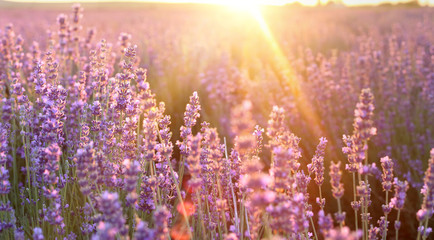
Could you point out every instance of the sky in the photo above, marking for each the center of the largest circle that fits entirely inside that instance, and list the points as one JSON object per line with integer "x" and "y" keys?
{"x": 243, "y": 2}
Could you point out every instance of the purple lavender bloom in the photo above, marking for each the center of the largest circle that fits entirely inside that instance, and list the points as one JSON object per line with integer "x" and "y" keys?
{"x": 253, "y": 181}
{"x": 242, "y": 125}
{"x": 387, "y": 165}
{"x": 373, "y": 233}
{"x": 193, "y": 161}
{"x": 143, "y": 232}
{"x": 5, "y": 185}
{"x": 253, "y": 178}
{"x": 259, "y": 139}
{"x": 146, "y": 200}
{"x": 317, "y": 165}
{"x": 427, "y": 210}
{"x": 124, "y": 40}
{"x": 19, "y": 234}
{"x": 77, "y": 15}
{"x": 325, "y": 223}
{"x": 335, "y": 180}
{"x": 190, "y": 118}
{"x": 132, "y": 170}
{"x": 320, "y": 149}
{"x": 37, "y": 234}
{"x": 398, "y": 200}
{"x": 105, "y": 231}
{"x": 302, "y": 182}
{"x": 4, "y": 135}
{"x": 52, "y": 154}
{"x": 161, "y": 219}
{"x": 84, "y": 159}
{"x": 424, "y": 231}
{"x": 363, "y": 124}
{"x": 382, "y": 225}
{"x": 96, "y": 109}
{"x": 111, "y": 209}
{"x": 300, "y": 222}
{"x": 356, "y": 145}
{"x": 343, "y": 234}
{"x": 364, "y": 191}
{"x": 354, "y": 155}
{"x": 276, "y": 125}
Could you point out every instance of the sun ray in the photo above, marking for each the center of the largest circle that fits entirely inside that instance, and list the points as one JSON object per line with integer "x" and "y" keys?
{"x": 304, "y": 105}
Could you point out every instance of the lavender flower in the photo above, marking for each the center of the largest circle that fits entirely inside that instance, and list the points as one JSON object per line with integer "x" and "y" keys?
{"x": 52, "y": 154}
{"x": 317, "y": 165}
{"x": 382, "y": 225}
{"x": 387, "y": 177}
{"x": 105, "y": 231}
{"x": 254, "y": 182}
{"x": 37, "y": 234}
{"x": 111, "y": 210}
{"x": 132, "y": 169}
{"x": 343, "y": 234}
{"x": 363, "y": 124}
{"x": 398, "y": 200}
{"x": 242, "y": 126}
{"x": 190, "y": 117}
{"x": 335, "y": 180}
{"x": 5, "y": 185}
{"x": 373, "y": 233}
{"x": 143, "y": 232}
{"x": 276, "y": 125}
{"x": 259, "y": 139}
{"x": 427, "y": 210}
{"x": 193, "y": 162}
{"x": 325, "y": 223}
{"x": 387, "y": 165}
{"x": 337, "y": 190}
{"x": 161, "y": 218}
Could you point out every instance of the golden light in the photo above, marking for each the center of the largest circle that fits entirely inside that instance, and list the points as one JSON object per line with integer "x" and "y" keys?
{"x": 305, "y": 107}
{"x": 241, "y": 5}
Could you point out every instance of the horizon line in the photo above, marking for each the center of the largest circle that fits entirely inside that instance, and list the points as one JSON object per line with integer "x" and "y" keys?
{"x": 222, "y": 3}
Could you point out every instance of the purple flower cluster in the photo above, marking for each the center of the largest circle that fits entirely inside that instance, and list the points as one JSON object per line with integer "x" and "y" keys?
{"x": 190, "y": 118}
{"x": 427, "y": 210}
{"x": 87, "y": 149}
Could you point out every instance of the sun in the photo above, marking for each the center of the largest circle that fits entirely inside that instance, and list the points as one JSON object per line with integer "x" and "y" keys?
{"x": 242, "y": 5}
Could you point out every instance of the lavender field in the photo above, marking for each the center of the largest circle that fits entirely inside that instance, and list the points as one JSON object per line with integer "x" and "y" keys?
{"x": 160, "y": 121}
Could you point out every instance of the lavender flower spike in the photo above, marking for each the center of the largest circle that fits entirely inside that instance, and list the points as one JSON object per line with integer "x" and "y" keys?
{"x": 427, "y": 210}
{"x": 37, "y": 234}
{"x": 190, "y": 118}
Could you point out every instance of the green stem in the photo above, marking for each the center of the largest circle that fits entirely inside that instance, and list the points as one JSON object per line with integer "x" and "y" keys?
{"x": 425, "y": 227}
{"x": 418, "y": 232}
{"x": 222, "y": 210}
{"x": 201, "y": 214}
{"x": 320, "y": 196}
{"x": 355, "y": 199}
{"x": 340, "y": 211}
{"x": 247, "y": 222}
{"x": 153, "y": 188}
{"x": 178, "y": 191}
{"x": 366, "y": 182}
{"x": 385, "y": 216}
{"x": 396, "y": 229}
{"x": 232, "y": 192}
{"x": 242, "y": 207}
{"x": 313, "y": 228}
